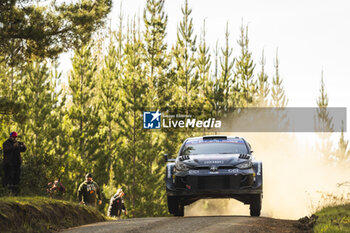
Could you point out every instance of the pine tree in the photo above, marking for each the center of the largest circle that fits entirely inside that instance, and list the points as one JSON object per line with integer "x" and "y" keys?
{"x": 323, "y": 122}
{"x": 37, "y": 30}
{"x": 342, "y": 153}
{"x": 109, "y": 100}
{"x": 10, "y": 81}
{"x": 214, "y": 91}
{"x": 245, "y": 70}
{"x": 158, "y": 95}
{"x": 134, "y": 100}
{"x": 226, "y": 78}
{"x": 83, "y": 114}
{"x": 184, "y": 54}
{"x": 156, "y": 57}
{"x": 263, "y": 85}
{"x": 41, "y": 131}
{"x": 203, "y": 64}
{"x": 277, "y": 90}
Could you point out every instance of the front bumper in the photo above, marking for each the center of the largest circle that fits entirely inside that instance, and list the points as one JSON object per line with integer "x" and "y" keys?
{"x": 221, "y": 183}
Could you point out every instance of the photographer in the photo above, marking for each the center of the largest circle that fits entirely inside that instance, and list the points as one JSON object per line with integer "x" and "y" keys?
{"x": 12, "y": 162}
{"x": 116, "y": 205}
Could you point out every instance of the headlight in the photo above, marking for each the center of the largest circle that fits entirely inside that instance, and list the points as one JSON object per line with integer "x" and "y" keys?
{"x": 244, "y": 165}
{"x": 182, "y": 167}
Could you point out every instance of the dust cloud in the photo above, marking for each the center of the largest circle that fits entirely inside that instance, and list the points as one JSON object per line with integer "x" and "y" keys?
{"x": 295, "y": 178}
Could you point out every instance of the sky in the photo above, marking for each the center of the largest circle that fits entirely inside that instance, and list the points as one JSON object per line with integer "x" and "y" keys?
{"x": 310, "y": 36}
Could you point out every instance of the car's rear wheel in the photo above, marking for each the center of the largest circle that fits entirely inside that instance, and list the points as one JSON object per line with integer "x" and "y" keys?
{"x": 175, "y": 206}
{"x": 255, "y": 205}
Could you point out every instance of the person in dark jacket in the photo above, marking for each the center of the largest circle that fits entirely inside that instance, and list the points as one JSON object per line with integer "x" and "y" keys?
{"x": 12, "y": 162}
{"x": 88, "y": 190}
{"x": 56, "y": 189}
{"x": 116, "y": 205}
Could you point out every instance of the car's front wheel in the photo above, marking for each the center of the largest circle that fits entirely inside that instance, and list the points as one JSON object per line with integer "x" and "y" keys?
{"x": 255, "y": 205}
{"x": 175, "y": 206}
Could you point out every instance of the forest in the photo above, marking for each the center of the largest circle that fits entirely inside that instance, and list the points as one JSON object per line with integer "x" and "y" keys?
{"x": 92, "y": 122}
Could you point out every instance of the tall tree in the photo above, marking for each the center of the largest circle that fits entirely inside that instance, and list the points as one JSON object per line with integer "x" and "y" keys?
{"x": 214, "y": 90}
{"x": 227, "y": 80}
{"x": 323, "y": 122}
{"x": 42, "y": 129}
{"x": 134, "y": 100}
{"x": 245, "y": 70}
{"x": 109, "y": 99}
{"x": 203, "y": 63}
{"x": 277, "y": 90}
{"x": 158, "y": 95}
{"x": 44, "y": 30}
{"x": 156, "y": 58}
{"x": 263, "y": 84}
{"x": 342, "y": 152}
{"x": 184, "y": 53}
{"x": 83, "y": 113}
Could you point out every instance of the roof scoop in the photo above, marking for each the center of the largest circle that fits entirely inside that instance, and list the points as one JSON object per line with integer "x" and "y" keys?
{"x": 214, "y": 137}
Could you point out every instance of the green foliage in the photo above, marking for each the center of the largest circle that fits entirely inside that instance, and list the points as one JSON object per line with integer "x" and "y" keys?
{"x": 160, "y": 84}
{"x": 323, "y": 123}
{"x": 109, "y": 99}
{"x": 31, "y": 30}
{"x": 156, "y": 59}
{"x": 187, "y": 80}
{"x": 342, "y": 152}
{"x": 245, "y": 71}
{"x": 227, "y": 80}
{"x": 134, "y": 92}
{"x": 203, "y": 67}
{"x": 38, "y": 214}
{"x": 263, "y": 85}
{"x": 277, "y": 91}
{"x": 42, "y": 129}
{"x": 84, "y": 150}
{"x": 333, "y": 219}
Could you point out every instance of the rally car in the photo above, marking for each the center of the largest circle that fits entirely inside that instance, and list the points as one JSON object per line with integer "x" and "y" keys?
{"x": 213, "y": 167}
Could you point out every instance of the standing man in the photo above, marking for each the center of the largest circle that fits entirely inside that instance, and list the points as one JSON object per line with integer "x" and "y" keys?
{"x": 88, "y": 190}
{"x": 12, "y": 162}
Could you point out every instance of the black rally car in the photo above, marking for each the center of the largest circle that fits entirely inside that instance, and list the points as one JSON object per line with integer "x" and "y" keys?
{"x": 213, "y": 167}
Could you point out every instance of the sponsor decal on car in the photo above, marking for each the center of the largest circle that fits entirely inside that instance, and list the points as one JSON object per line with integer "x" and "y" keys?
{"x": 193, "y": 172}
{"x": 214, "y": 162}
{"x": 215, "y": 141}
{"x": 235, "y": 170}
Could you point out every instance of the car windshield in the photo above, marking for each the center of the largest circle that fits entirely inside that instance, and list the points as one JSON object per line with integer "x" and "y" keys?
{"x": 214, "y": 147}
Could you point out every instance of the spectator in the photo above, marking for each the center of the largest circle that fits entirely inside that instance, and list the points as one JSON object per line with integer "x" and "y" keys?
{"x": 56, "y": 189}
{"x": 116, "y": 205}
{"x": 88, "y": 190}
{"x": 12, "y": 162}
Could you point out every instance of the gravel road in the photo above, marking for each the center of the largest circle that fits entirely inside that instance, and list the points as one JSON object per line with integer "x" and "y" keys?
{"x": 222, "y": 224}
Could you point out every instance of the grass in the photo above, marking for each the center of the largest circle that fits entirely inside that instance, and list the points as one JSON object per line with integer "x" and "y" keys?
{"x": 333, "y": 219}
{"x": 40, "y": 214}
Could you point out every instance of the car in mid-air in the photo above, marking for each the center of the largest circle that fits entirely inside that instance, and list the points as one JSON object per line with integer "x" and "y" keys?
{"x": 213, "y": 167}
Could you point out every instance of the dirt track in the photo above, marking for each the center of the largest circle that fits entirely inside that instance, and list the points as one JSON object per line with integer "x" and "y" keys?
{"x": 222, "y": 224}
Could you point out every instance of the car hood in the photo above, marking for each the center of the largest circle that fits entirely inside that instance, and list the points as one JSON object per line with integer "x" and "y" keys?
{"x": 213, "y": 160}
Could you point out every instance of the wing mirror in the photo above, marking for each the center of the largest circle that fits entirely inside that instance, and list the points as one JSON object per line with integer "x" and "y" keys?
{"x": 166, "y": 159}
